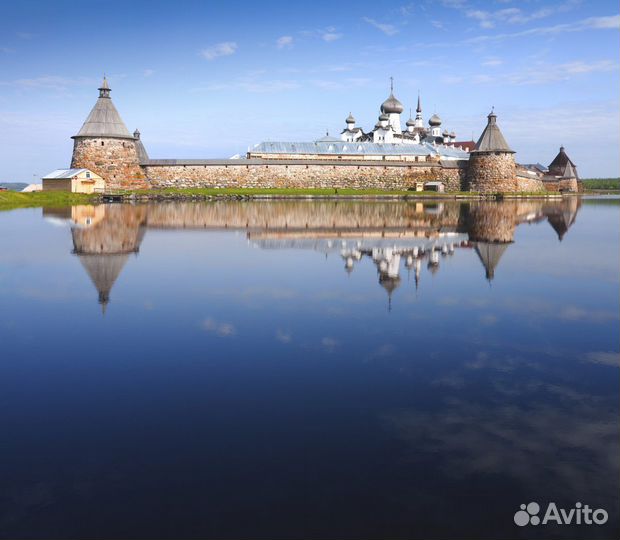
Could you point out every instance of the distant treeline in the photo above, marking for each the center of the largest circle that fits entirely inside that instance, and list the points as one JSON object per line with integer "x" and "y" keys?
{"x": 13, "y": 186}
{"x": 602, "y": 183}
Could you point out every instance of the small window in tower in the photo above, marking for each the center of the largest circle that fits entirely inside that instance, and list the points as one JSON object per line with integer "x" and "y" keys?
{"x": 102, "y": 143}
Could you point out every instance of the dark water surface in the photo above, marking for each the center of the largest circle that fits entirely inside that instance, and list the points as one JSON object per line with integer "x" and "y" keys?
{"x": 308, "y": 369}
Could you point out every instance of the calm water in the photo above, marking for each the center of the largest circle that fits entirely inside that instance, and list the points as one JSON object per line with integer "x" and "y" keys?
{"x": 308, "y": 369}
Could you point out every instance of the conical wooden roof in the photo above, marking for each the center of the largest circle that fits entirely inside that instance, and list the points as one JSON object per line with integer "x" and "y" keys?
{"x": 492, "y": 139}
{"x": 569, "y": 171}
{"x": 104, "y": 120}
{"x": 558, "y": 165}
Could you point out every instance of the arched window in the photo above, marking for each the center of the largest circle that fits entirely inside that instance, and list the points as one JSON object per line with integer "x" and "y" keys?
{"x": 102, "y": 143}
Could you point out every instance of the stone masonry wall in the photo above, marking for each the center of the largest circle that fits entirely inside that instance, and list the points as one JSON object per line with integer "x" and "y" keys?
{"x": 530, "y": 185}
{"x": 302, "y": 176}
{"x": 569, "y": 184}
{"x": 492, "y": 173}
{"x": 115, "y": 160}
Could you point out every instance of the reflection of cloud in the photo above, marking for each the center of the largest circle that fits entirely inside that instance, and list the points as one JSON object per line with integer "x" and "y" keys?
{"x": 283, "y": 337}
{"x": 382, "y": 352}
{"x": 451, "y": 380}
{"x": 520, "y": 441}
{"x": 488, "y": 319}
{"x": 256, "y": 297}
{"x": 219, "y": 328}
{"x": 605, "y": 358}
{"x": 484, "y": 361}
{"x": 537, "y": 307}
{"x": 574, "y": 313}
{"x": 329, "y": 343}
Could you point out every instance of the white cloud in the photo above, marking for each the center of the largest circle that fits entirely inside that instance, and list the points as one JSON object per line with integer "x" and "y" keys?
{"x": 387, "y": 29}
{"x": 226, "y": 48}
{"x": 148, "y": 72}
{"x": 591, "y": 23}
{"x": 330, "y": 36}
{"x": 344, "y": 84}
{"x": 546, "y": 73}
{"x": 284, "y": 41}
{"x": 492, "y": 62}
{"x": 50, "y": 82}
{"x": 613, "y": 21}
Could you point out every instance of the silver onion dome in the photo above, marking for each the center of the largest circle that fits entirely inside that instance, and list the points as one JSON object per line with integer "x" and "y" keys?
{"x": 392, "y": 105}
{"x": 434, "y": 120}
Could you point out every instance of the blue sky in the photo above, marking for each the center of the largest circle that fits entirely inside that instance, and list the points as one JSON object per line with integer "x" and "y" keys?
{"x": 210, "y": 79}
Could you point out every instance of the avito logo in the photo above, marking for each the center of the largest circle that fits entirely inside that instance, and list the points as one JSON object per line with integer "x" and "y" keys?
{"x": 582, "y": 514}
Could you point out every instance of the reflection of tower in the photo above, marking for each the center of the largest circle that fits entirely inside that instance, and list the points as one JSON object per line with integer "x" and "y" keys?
{"x": 491, "y": 226}
{"x": 562, "y": 217}
{"x": 490, "y": 254}
{"x": 103, "y": 249}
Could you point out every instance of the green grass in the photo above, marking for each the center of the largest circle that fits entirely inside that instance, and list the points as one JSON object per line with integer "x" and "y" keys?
{"x": 602, "y": 183}
{"x": 10, "y": 200}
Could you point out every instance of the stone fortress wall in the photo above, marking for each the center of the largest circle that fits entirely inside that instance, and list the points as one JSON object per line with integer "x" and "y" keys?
{"x": 294, "y": 174}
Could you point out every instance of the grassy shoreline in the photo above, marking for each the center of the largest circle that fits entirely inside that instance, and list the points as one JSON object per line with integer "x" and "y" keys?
{"x": 10, "y": 200}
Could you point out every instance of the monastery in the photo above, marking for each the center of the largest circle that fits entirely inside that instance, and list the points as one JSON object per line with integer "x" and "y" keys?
{"x": 384, "y": 157}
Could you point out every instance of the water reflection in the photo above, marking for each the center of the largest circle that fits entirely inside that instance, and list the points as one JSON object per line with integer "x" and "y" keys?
{"x": 392, "y": 235}
{"x": 247, "y": 380}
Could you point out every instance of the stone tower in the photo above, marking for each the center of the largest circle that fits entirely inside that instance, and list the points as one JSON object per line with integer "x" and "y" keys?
{"x": 492, "y": 166}
{"x": 105, "y": 146}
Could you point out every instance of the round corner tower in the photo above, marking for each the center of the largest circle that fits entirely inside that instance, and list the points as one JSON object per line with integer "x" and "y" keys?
{"x": 105, "y": 146}
{"x": 492, "y": 167}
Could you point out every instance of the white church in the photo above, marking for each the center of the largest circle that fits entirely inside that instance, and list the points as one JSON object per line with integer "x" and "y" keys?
{"x": 388, "y": 128}
{"x": 416, "y": 142}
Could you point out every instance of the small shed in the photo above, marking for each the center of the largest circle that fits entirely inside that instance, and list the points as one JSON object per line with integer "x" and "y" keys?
{"x": 73, "y": 180}
{"x": 435, "y": 186}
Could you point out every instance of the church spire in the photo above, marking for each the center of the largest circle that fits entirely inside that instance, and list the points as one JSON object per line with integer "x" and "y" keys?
{"x": 419, "y": 108}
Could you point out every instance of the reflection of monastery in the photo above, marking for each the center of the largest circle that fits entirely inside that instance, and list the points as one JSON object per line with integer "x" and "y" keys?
{"x": 394, "y": 154}
{"x": 416, "y": 237}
